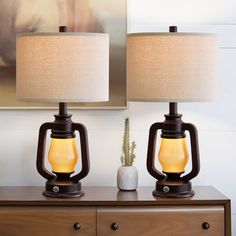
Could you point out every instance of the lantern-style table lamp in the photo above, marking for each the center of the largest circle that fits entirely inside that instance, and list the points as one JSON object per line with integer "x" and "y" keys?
{"x": 172, "y": 67}
{"x": 62, "y": 67}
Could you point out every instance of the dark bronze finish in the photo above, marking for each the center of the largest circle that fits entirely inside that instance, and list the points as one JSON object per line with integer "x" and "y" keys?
{"x": 62, "y": 109}
{"x": 77, "y": 226}
{"x": 173, "y": 184}
{"x": 60, "y": 184}
{"x": 62, "y": 28}
{"x": 173, "y": 108}
{"x": 114, "y": 226}
{"x": 172, "y": 126}
{"x": 173, "y": 29}
{"x": 169, "y": 184}
{"x": 206, "y": 225}
{"x": 173, "y": 189}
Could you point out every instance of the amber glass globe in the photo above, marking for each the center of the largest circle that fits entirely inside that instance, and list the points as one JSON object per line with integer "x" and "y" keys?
{"x": 173, "y": 155}
{"x": 63, "y": 155}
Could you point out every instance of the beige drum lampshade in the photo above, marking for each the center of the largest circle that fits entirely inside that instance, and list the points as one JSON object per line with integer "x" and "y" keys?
{"x": 62, "y": 67}
{"x": 171, "y": 67}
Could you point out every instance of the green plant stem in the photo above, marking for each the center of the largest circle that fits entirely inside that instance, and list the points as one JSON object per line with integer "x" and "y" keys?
{"x": 128, "y": 156}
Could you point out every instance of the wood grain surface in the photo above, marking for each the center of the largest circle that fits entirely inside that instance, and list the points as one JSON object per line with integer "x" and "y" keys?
{"x": 47, "y": 221}
{"x": 161, "y": 221}
{"x": 25, "y": 211}
{"x": 105, "y": 196}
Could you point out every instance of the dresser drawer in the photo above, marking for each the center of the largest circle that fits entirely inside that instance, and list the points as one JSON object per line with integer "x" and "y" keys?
{"x": 47, "y": 221}
{"x": 161, "y": 221}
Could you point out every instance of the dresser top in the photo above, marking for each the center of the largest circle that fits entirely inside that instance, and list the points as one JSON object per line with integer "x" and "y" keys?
{"x": 107, "y": 196}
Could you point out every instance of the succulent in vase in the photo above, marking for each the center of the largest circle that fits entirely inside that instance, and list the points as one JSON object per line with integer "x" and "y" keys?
{"x": 127, "y": 175}
{"x": 128, "y": 156}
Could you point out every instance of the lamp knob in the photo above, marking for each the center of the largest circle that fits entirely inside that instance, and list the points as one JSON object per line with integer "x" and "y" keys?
{"x": 205, "y": 225}
{"x": 166, "y": 189}
{"x": 77, "y": 226}
{"x": 114, "y": 226}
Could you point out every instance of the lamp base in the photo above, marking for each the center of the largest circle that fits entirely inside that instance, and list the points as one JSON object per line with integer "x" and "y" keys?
{"x": 173, "y": 189}
{"x": 63, "y": 189}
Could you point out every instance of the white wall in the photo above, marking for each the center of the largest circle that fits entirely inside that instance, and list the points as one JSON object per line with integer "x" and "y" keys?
{"x": 215, "y": 121}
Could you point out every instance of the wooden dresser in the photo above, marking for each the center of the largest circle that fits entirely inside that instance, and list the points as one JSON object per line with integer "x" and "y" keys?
{"x": 105, "y": 211}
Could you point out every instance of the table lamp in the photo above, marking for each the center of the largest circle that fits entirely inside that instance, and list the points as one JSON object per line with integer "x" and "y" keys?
{"x": 172, "y": 67}
{"x": 62, "y": 67}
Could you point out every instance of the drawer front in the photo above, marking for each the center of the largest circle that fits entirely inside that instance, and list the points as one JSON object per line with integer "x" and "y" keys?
{"x": 160, "y": 221}
{"x": 47, "y": 221}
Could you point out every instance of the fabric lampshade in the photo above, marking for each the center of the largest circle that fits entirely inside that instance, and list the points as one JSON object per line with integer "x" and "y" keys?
{"x": 62, "y": 67}
{"x": 171, "y": 67}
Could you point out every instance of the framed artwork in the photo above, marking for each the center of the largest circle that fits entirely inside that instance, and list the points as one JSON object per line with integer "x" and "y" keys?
{"x": 107, "y": 16}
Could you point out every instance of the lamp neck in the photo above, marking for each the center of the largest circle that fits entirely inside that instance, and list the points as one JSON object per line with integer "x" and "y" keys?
{"x": 62, "y": 28}
{"x": 173, "y": 108}
{"x": 172, "y": 126}
{"x": 62, "y": 125}
{"x": 62, "y": 105}
{"x": 62, "y": 108}
{"x": 173, "y": 29}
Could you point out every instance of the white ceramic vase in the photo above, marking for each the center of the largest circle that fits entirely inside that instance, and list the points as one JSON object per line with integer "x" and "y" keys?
{"x": 127, "y": 178}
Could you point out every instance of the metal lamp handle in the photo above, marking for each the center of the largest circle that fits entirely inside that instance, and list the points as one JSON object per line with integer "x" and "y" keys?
{"x": 84, "y": 151}
{"x": 152, "y": 150}
{"x": 41, "y": 151}
{"x": 194, "y": 151}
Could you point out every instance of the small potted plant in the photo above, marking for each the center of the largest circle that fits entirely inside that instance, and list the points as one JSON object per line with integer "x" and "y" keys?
{"x": 127, "y": 174}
